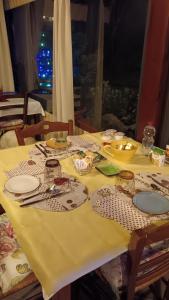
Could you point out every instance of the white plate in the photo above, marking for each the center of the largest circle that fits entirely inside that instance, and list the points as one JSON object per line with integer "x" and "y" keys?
{"x": 22, "y": 184}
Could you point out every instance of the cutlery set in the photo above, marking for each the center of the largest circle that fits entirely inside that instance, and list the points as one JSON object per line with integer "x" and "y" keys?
{"x": 43, "y": 150}
{"x": 51, "y": 194}
{"x": 47, "y": 152}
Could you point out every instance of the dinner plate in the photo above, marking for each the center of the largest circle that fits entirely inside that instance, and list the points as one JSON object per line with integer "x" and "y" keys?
{"x": 22, "y": 184}
{"x": 151, "y": 202}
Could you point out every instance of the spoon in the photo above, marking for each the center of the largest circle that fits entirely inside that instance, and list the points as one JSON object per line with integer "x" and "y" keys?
{"x": 51, "y": 189}
{"x": 52, "y": 194}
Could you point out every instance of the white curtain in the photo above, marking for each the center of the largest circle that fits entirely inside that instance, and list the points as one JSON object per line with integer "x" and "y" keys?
{"x": 63, "y": 103}
{"x": 6, "y": 74}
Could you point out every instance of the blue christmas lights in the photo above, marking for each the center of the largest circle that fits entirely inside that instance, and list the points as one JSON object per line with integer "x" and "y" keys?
{"x": 44, "y": 64}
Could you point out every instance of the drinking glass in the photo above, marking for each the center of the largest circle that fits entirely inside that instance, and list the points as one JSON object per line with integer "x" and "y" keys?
{"x": 125, "y": 182}
{"x": 52, "y": 171}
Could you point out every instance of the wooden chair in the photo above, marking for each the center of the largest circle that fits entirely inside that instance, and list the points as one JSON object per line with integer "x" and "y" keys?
{"x": 43, "y": 127}
{"x": 85, "y": 125}
{"x": 21, "y": 289}
{"x": 82, "y": 122}
{"x": 147, "y": 259}
{"x": 11, "y": 120}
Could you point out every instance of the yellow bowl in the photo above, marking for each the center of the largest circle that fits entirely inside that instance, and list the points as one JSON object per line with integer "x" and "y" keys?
{"x": 122, "y": 150}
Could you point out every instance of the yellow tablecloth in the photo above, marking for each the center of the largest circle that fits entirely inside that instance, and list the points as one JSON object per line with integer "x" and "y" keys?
{"x": 62, "y": 246}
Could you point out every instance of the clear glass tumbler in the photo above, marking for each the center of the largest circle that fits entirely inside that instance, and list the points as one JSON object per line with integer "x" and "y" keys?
{"x": 125, "y": 182}
{"x": 52, "y": 171}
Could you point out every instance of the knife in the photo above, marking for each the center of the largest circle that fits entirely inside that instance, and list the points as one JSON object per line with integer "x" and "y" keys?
{"x": 159, "y": 183}
{"x": 26, "y": 203}
{"x": 42, "y": 151}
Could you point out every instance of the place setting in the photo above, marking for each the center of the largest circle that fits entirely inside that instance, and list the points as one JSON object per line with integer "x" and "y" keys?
{"x": 61, "y": 148}
{"x": 52, "y": 190}
{"x": 50, "y": 148}
{"x": 135, "y": 201}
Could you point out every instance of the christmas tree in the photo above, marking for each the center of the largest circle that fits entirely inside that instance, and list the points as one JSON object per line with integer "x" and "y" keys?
{"x": 44, "y": 64}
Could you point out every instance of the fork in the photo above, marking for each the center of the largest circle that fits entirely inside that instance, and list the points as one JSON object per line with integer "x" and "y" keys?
{"x": 44, "y": 148}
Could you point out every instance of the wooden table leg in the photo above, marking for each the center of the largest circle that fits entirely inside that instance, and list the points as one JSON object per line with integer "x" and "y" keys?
{"x": 63, "y": 294}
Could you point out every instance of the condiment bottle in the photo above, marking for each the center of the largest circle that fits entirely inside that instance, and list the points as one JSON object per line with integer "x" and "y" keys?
{"x": 148, "y": 139}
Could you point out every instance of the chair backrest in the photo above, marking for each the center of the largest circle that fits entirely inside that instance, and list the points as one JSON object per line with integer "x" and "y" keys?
{"x": 148, "y": 258}
{"x": 85, "y": 125}
{"x": 13, "y": 106}
{"x": 43, "y": 127}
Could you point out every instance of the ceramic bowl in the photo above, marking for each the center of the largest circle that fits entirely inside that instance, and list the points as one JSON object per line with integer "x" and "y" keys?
{"x": 122, "y": 150}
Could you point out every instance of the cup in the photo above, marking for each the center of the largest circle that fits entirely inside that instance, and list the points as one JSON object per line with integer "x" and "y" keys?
{"x": 52, "y": 170}
{"x": 63, "y": 184}
{"x": 118, "y": 136}
{"x": 125, "y": 182}
{"x": 83, "y": 165}
{"x": 157, "y": 156}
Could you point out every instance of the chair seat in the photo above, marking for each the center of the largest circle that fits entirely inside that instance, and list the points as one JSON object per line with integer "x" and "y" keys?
{"x": 14, "y": 267}
{"x": 116, "y": 271}
{"x": 10, "y": 123}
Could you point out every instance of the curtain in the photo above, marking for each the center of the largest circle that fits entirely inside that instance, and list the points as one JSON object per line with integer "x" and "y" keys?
{"x": 26, "y": 29}
{"x": 63, "y": 104}
{"x": 91, "y": 66}
{"x": 6, "y": 74}
{"x": 99, "y": 75}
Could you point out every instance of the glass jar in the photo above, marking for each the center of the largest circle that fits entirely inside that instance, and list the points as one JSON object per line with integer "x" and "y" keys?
{"x": 52, "y": 170}
{"x": 125, "y": 182}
